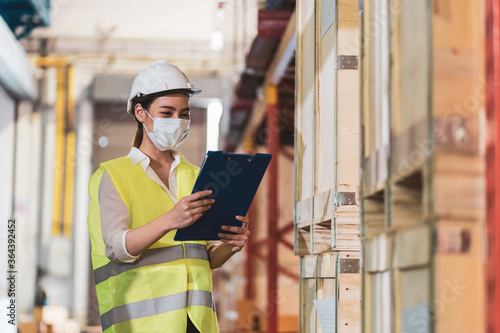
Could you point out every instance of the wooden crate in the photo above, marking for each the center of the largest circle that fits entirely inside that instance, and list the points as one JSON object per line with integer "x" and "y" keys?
{"x": 328, "y": 159}
{"x": 429, "y": 198}
{"x": 327, "y": 128}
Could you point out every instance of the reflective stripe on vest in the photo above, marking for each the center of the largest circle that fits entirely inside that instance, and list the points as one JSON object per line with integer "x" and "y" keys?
{"x": 152, "y": 257}
{"x": 157, "y": 306}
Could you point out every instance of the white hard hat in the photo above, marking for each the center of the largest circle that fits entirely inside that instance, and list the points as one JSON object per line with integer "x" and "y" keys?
{"x": 160, "y": 77}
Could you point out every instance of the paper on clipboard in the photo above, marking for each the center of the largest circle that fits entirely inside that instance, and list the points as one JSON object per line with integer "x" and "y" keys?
{"x": 234, "y": 180}
{"x": 326, "y": 308}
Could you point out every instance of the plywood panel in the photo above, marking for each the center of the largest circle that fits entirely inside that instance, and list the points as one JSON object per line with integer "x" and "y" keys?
{"x": 304, "y": 210}
{"x": 326, "y": 289}
{"x": 349, "y": 303}
{"x": 327, "y": 265}
{"x": 308, "y": 313}
{"x": 458, "y": 73}
{"x": 308, "y": 266}
{"x": 305, "y": 123}
{"x": 395, "y": 67}
{"x": 348, "y": 99}
{"x": 412, "y": 303}
{"x": 366, "y": 305}
{"x": 348, "y": 254}
{"x": 459, "y": 186}
{"x": 377, "y": 41}
{"x": 380, "y": 303}
{"x": 459, "y": 195}
{"x": 324, "y": 205}
{"x": 375, "y": 94}
{"x": 347, "y": 233}
{"x": 325, "y": 118}
{"x": 365, "y": 62}
{"x": 378, "y": 253}
{"x": 323, "y": 236}
{"x": 458, "y": 48}
{"x": 459, "y": 277}
{"x": 414, "y": 81}
{"x": 412, "y": 247}
{"x": 410, "y": 85}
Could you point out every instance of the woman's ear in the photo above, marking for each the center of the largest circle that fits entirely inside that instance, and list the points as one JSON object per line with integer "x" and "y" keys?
{"x": 139, "y": 112}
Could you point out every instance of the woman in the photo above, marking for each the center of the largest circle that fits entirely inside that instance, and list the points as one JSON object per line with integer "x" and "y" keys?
{"x": 146, "y": 281}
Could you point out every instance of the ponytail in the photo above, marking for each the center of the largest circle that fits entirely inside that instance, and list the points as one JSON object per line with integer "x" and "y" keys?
{"x": 146, "y": 102}
{"x": 138, "y": 136}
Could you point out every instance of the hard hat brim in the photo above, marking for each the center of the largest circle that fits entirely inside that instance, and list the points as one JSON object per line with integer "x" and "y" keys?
{"x": 187, "y": 91}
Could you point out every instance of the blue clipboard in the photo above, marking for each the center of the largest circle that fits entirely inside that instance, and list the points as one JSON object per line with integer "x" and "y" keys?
{"x": 234, "y": 180}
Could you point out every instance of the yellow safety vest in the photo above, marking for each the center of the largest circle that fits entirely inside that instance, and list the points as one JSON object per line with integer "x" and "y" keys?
{"x": 169, "y": 280}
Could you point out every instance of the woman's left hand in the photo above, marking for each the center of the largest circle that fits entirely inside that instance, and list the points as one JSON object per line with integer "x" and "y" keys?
{"x": 236, "y": 241}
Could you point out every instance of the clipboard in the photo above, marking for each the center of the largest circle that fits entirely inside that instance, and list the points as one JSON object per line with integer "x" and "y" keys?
{"x": 234, "y": 180}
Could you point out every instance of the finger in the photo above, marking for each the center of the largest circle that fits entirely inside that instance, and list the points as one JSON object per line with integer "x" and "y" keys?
{"x": 198, "y": 195}
{"x": 242, "y": 218}
{"x": 200, "y": 203}
{"x": 233, "y": 237}
{"x": 238, "y": 243}
{"x": 238, "y": 230}
{"x": 200, "y": 210}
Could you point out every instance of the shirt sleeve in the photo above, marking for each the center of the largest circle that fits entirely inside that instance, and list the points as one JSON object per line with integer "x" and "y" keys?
{"x": 115, "y": 221}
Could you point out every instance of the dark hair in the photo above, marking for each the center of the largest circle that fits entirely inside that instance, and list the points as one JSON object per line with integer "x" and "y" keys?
{"x": 145, "y": 102}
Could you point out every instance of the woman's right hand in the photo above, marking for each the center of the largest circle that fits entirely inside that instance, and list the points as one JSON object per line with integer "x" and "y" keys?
{"x": 189, "y": 209}
{"x": 185, "y": 212}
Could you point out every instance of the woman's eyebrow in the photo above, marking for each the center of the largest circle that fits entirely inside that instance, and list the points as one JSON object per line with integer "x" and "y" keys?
{"x": 172, "y": 108}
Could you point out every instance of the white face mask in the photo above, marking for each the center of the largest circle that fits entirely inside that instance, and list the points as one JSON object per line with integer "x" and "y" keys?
{"x": 168, "y": 133}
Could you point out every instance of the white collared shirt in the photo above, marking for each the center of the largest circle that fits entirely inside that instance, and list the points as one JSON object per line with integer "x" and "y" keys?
{"x": 115, "y": 216}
